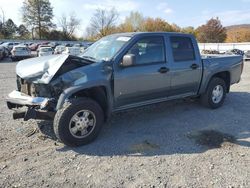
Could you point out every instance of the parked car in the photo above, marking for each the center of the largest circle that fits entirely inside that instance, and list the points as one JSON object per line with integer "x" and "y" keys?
{"x": 7, "y": 52}
{"x": 34, "y": 46}
{"x": 9, "y": 45}
{"x": 235, "y": 52}
{"x": 45, "y": 51}
{"x": 1, "y": 52}
{"x": 72, "y": 51}
{"x": 210, "y": 52}
{"x": 247, "y": 55}
{"x": 118, "y": 72}
{"x": 59, "y": 49}
{"x": 20, "y": 52}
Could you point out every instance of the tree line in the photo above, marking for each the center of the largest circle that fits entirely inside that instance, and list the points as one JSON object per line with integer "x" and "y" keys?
{"x": 37, "y": 17}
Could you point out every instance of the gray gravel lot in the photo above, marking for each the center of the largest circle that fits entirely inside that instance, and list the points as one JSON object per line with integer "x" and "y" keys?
{"x": 153, "y": 146}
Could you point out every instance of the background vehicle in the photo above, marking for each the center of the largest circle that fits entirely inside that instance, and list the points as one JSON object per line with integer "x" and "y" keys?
{"x": 119, "y": 72}
{"x": 235, "y": 52}
{"x": 59, "y": 49}
{"x": 45, "y": 51}
{"x": 9, "y": 45}
{"x": 34, "y": 46}
{"x": 247, "y": 55}
{"x": 1, "y": 52}
{"x": 72, "y": 51}
{"x": 20, "y": 52}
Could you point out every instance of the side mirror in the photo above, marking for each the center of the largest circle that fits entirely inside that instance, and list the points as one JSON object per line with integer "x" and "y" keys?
{"x": 128, "y": 60}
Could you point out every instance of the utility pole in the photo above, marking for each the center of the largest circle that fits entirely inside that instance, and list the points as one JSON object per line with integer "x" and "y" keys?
{"x": 3, "y": 15}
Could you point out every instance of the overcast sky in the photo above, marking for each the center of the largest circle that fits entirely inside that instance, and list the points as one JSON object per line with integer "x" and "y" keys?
{"x": 183, "y": 13}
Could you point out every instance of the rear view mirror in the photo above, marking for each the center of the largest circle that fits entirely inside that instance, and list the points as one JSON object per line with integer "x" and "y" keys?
{"x": 128, "y": 60}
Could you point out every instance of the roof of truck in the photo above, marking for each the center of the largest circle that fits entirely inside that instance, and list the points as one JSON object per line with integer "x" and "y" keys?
{"x": 153, "y": 33}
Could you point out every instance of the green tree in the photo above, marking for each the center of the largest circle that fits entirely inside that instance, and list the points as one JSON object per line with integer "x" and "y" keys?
{"x": 9, "y": 29}
{"x": 38, "y": 15}
{"x": 23, "y": 32}
{"x": 212, "y": 31}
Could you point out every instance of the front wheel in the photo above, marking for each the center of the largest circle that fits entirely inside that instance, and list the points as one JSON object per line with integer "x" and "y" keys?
{"x": 215, "y": 93}
{"x": 78, "y": 122}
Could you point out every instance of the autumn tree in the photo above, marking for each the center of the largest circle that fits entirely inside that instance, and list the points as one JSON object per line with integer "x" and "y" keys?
{"x": 132, "y": 23}
{"x": 38, "y": 15}
{"x": 69, "y": 24}
{"x": 175, "y": 28}
{"x": 157, "y": 24}
{"x": 102, "y": 22}
{"x": 212, "y": 31}
{"x": 188, "y": 30}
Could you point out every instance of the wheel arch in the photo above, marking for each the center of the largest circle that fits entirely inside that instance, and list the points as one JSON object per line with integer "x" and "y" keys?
{"x": 224, "y": 75}
{"x": 100, "y": 94}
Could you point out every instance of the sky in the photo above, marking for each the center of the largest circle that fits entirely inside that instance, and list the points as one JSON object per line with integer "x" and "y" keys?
{"x": 181, "y": 12}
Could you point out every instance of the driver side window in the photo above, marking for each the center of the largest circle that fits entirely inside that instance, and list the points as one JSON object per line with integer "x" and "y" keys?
{"x": 149, "y": 50}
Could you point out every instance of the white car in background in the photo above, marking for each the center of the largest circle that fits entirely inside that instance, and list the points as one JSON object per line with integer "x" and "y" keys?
{"x": 45, "y": 51}
{"x": 59, "y": 49}
{"x": 72, "y": 51}
{"x": 247, "y": 55}
{"x": 20, "y": 52}
{"x": 10, "y": 45}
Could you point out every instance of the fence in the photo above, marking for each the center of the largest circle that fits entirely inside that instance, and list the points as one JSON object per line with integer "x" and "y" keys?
{"x": 222, "y": 47}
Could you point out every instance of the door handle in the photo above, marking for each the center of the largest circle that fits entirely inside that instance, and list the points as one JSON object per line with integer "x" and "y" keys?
{"x": 163, "y": 70}
{"x": 194, "y": 66}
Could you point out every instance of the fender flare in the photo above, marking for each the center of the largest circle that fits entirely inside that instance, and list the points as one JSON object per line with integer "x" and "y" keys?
{"x": 70, "y": 91}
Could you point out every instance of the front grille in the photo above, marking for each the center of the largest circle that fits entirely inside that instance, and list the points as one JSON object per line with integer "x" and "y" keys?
{"x": 25, "y": 87}
{"x": 33, "y": 89}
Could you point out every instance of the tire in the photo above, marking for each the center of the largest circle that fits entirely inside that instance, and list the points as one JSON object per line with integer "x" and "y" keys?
{"x": 213, "y": 97}
{"x": 74, "y": 114}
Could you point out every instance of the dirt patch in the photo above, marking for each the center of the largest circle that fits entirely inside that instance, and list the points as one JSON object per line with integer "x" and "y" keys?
{"x": 212, "y": 138}
{"x": 143, "y": 147}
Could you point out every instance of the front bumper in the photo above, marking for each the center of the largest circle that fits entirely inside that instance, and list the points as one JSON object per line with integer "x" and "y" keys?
{"x": 32, "y": 107}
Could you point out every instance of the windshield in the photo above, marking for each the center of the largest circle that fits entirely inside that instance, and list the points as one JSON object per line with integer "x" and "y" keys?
{"x": 46, "y": 49}
{"x": 106, "y": 48}
{"x": 21, "y": 49}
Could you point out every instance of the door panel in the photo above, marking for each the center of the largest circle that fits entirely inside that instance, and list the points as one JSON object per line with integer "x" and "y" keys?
{"x": 138, "y": 84}
{"x": 186, "y": 69}
{"x": 148, "y": 79}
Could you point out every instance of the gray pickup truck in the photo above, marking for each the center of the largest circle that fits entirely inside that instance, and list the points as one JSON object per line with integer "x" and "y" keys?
{"x": 118, "y": 72}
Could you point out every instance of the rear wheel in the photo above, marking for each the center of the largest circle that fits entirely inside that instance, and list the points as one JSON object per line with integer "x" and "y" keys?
{"x": 215, "y": 94}
{"x": 78, "y": 122}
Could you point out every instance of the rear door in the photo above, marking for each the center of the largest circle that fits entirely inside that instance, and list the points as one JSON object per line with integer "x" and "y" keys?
{"x": 148, "y": 79}
{"x": 186, "y": 69}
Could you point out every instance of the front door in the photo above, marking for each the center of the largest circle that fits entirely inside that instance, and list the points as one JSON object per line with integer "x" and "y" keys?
{"x": 148, "y": 79}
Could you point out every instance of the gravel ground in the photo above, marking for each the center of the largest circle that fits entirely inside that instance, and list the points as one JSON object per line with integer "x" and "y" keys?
{"x": 172, "y": 144}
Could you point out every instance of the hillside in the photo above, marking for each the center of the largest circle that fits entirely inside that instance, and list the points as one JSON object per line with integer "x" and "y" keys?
{"x": 242, "y": 26}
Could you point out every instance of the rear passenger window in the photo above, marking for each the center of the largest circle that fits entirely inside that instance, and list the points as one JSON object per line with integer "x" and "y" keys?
{"x": 183, "y": 49}
{"x": 149, "y": 50}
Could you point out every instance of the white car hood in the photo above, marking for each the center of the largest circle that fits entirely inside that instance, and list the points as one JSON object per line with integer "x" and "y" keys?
{"x": 42, "y": 69}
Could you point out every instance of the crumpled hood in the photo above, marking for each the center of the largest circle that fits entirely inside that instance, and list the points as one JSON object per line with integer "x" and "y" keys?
{"x": 40, "y": 69}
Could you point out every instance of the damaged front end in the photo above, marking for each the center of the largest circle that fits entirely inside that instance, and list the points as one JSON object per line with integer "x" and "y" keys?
{"x": 28, "y": 107}
{"x": 36, "y": 95}
{"x": 31, "y": 101}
